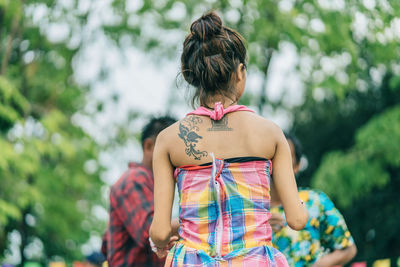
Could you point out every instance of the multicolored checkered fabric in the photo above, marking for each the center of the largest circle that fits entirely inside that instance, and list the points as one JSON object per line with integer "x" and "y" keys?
{"x": 224, "y": 212}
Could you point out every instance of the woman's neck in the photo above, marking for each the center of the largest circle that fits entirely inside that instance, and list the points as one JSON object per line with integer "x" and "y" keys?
{"x": 226, "y": 102}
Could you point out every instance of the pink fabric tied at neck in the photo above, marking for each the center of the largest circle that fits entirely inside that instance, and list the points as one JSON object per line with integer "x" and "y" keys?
{"x": 218, "y": 112}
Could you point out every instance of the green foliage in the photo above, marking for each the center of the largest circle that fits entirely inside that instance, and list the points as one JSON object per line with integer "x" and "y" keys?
{"x": 378, "y": 140}
{"x": 348, "y": 175}
{"x": 48, "y": 164}
{"x": 331, "y": 124}
{"x": 351, "y": 147}
{"x": 339, "y": 44}
{"x": 13, "y": 105}
{"x": 8, "y": 211}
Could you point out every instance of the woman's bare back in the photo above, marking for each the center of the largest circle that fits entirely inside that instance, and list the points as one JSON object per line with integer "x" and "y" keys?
{"x": 237, "y": 134}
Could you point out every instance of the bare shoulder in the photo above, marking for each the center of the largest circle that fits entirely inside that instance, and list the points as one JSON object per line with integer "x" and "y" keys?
{"x": 263, "y": 125}
{"x": 167, "y": 135}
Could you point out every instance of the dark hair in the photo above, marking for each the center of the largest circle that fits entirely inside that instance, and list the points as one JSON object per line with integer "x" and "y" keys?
{"x": 298, "y": 149}
{"x": 210, "y": 57}
{"x": 155, "y": 126}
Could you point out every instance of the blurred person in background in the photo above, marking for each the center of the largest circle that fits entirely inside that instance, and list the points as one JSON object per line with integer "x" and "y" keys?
{"x": 325, "y": 241}
{"x": 126, "y": 241}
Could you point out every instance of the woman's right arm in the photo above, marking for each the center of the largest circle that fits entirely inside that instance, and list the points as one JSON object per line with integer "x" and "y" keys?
{"x": 164, "y": 188}
{"x": 285, "y": 184}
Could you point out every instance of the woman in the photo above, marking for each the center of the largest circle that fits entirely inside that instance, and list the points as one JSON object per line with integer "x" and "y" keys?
{"x": 221, "y": 156}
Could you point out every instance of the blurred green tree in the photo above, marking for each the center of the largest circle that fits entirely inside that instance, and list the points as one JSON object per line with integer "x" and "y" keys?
{"x": 341, "y": 46}
{"x": 353, "y": 158}
{"x": 50, "y": 176}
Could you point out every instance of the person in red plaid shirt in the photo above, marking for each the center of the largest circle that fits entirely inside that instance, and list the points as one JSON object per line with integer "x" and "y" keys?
{"x": 126, "y": 241}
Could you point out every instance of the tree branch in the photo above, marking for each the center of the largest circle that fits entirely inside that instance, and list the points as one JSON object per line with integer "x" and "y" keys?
{"x": 7, "y": 53}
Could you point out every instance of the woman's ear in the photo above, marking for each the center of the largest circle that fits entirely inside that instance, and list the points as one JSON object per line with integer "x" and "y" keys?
{"x": 240, "y": 72}
{"x": 240, "y": 79}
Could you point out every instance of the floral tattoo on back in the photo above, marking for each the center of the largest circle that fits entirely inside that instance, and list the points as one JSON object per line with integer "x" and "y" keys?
{"x": 187, "y": 132}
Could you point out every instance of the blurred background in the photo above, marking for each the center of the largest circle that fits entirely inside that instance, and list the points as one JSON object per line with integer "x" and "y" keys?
{"x": 78, "y": 79}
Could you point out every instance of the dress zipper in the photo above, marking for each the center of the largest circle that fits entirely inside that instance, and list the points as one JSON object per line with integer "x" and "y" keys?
{"x": 219, "y": 226}
{"x": 218, "y": 233}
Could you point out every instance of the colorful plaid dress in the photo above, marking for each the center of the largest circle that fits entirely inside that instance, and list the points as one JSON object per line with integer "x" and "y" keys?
{"x": 224, "y": 212}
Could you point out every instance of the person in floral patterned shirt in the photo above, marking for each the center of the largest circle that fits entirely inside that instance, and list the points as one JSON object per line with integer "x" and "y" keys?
{"x": 325, "y": 241}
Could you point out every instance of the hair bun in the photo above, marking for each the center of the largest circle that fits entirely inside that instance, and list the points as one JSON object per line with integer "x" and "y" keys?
{"x": 211, "y": 54}
{"x": 206, "y": 27}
